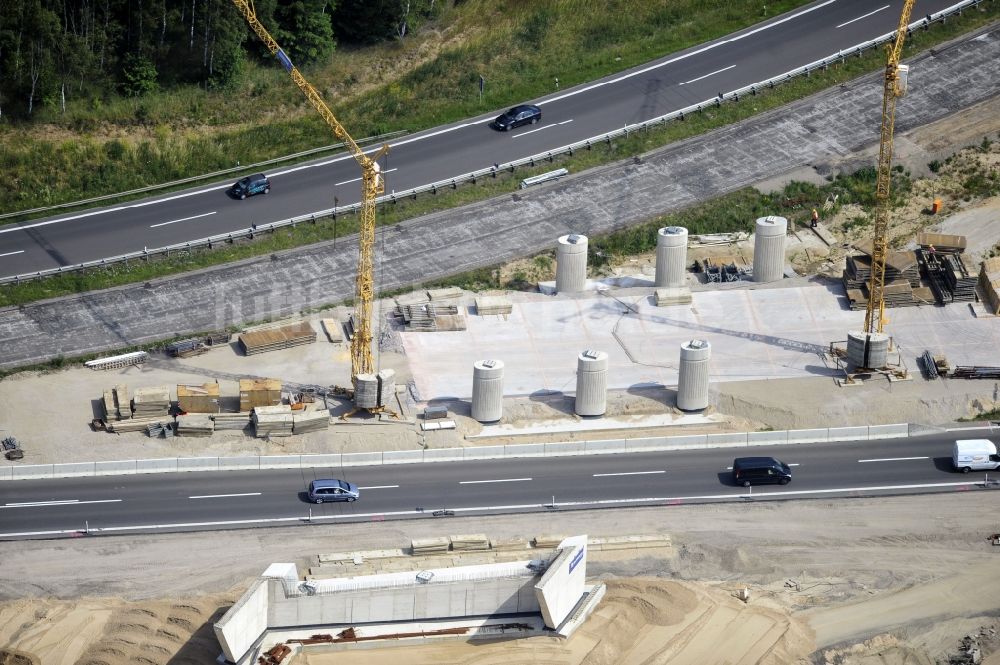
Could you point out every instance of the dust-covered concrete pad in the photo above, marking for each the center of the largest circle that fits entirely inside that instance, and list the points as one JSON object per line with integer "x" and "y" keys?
{"x": 755, "y": 334}
{"x": 816, "y": 130}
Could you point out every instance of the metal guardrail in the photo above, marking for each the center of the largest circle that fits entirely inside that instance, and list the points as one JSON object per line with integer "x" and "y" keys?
{"x": 204, "y": 176}
{"x": 533, "y": 160}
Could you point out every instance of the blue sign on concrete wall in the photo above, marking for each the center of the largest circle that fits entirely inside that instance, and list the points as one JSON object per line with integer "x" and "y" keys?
{"x": 577, "y": 559}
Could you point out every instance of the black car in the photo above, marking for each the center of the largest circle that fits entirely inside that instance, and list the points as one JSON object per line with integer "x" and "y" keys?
{"x": 526, "y": 114}
{"x": 250, "y": 185}
{"x": 749, "y": 471}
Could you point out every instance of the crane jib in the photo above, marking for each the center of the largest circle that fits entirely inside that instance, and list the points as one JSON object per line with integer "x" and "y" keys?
{"x": 285, "y": 61}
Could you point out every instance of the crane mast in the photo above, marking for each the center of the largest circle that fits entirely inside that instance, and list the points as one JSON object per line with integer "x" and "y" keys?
{"x": 875, "y": 312}
{"x": 372, "y": 185}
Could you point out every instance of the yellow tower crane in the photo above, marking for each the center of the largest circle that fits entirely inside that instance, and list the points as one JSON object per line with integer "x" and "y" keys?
{"x": 895, "y": 86}
{"x": 372, "y": 185}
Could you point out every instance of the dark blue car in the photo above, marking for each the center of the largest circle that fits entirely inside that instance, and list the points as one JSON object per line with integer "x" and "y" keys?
{"x": 250, "y": 185}
{"x": 526, "y": 114}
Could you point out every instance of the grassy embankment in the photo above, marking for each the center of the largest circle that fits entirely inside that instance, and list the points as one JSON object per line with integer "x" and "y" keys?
{"x": 411, "y": 85}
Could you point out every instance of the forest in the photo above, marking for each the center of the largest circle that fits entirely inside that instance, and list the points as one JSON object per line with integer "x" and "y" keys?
{"x": 56, "y": 51}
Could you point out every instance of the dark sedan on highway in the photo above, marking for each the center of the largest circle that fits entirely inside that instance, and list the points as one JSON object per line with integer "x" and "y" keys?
{"x": 526, "y": 114}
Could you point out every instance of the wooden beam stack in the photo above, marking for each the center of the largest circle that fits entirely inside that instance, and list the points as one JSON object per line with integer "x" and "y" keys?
{"x": 273, "y": 339}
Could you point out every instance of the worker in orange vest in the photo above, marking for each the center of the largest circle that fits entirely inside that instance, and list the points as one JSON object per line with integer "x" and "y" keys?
{"x": 815, "y": 218}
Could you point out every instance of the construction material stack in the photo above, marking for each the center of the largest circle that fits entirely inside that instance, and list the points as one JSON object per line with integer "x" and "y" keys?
{"x": 473, "y": 542}
{"x": 235, "y": 422}
{"x": 307, "y": 421}
{"x": 272, "y": 421}
{"x": 989, "y": 284}
{"x": 493, "y": 305}
{"x": 151, "y": 402}
{"x": 262, "y": 340}
{"x": 198, "y": 399}
{"x": 432, "y": 545}
{"x": 195, "y": 424}
{"x": 259, "y": 392}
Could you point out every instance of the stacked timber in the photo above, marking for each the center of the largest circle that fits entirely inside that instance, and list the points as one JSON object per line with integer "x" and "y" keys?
{"x": 448, "y": 293}
{"x": 470, "y": 542}
{"x": 195, "y": 424}
{"x": 897, "y": 294}
{"x": 198, "y": 399}
{"x": 231, "y": 421}
{"x": 272, "y": 421}
{"x": 151, "y": 402}
{"x": 108, "y": 406}
{"x": 122, "y": 404}
{"x": 680, "y": 295}
{"x": 304, "y": 422}
{"x": 136, "y": 424}
{"x": 899, "y": 266}
{"x": 989, "y": 284}
{"x": 493, "y": 305}
{"x": 273, "y": 339}
{"x": 435, "y": 545}
{"x": 333, "y": 330}
{"x": 259, "y": 392}
{"x": 942, "y": 242}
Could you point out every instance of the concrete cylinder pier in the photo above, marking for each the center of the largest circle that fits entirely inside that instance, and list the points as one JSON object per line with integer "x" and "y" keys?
{"x": 867, "y": 350}
{"x": 366, "y": 391}
{"x": 692, "y": 382}
{"x": 487, "y": 390}
{"x": 591, "y": 383}
{"x": 769, "y": 249}
{"x": 671, "y": 256}
{"x": 571, "y": 263}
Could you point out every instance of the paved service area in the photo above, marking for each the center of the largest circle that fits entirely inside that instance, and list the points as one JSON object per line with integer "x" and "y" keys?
{"x": 755, "y": 334}
{"x": 817, "y": 131}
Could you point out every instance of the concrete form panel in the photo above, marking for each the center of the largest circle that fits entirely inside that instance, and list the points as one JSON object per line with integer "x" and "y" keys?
{"x": 163, "y": 465}
{"x": 197, "y": 463}
{"x": 524, "y": 450}
{"x": 32, "y": 471}
{"x": 361, "y": 459}
{"x": 605, "y": 447}
{"x": 820, "y": 435}
{"x": 402, "y": 456}
{"x": 888, "y": 431}
{"x": 767, "y": 438}
{"x": 565, "y": 448}
{"x": 483, "y": 452}
{"x": 73, "y": 469}
{"x": 849, "y": 433}
{"x": 246, "y": 463}
{"x": 727, "y": 440}
{"x": 116, "y": 468}
{"x": 244, "y": 622}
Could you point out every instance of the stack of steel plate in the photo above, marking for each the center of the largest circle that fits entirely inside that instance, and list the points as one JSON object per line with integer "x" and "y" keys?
{"x": 273, "y": 339}
{"x": 272, "y": 421}
{"x": 151, "y": 402}
{"x": 195, "y": 424}
{"x": 304, "y": 422}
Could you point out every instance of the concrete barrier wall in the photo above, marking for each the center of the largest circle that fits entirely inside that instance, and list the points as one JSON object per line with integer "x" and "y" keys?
{"x": 17, "y": 471}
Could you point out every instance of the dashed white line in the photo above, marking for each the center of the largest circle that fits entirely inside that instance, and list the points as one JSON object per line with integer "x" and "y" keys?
{"x": 627, "y": 473}
{"x": 565, "y": 122}
{"x": 890, "y": 459}
{"x": 223, "y": 496}
{"x": 183, "y": 219}
{"x": 500, "y": 480}
{"x": 347, "y": 182}
{"x": 379, "y": 487}
{"x": 20, "y": 251}
{"x": 66, "y": 502}
{"x": 863, "y": 17}
{"x": 717, "y": 71}
{"x": 531, "y": 131}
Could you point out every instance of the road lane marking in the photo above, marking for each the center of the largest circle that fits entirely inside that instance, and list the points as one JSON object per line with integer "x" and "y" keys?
{"x": 66, "y": 502}
{"x": 379, "y": 487}
{"x": 717, "y": 71}
{"x": 525, "y": 506}
{"x": 565, "y": 122}
{"x": 532, "y": 131}
{"x": 346, "y": 182}
{"x": 627, "y": 473}
{"x": 863, "y": 16}
{"x": 223, "y": 496}
{"x": 20, "y": 251}
{"x": 501, "y": 480}
{"x": 729, "y": 468}
{"x": 183, "y": 219}
{"x": 890, "y": 459}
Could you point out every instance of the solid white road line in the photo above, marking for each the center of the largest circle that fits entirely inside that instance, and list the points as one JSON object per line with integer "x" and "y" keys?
{"x": 717, "y": 71}
{"x": 890, "y": 459}
{"x": 627, "y": 473}
{"x": 223, "y": 496}
{"x": 502, "y": 480}
{"x": 66, "y": 502}
{"x": 183, "y": 219}
{"x": 20, "y": 251}
{"x": 525, "y": 506}
{"x": 379, "y": 487}
{"x": 863, "y": 16}
{"x": 346, "y": 182}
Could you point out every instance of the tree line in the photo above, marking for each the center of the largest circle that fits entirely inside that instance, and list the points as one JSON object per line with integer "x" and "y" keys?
{"x": 55, "y": 51}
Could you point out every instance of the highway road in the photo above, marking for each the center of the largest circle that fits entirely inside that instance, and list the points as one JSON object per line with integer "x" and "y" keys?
{"x": 196, "y": 501}
{"x": 673, "y": 82}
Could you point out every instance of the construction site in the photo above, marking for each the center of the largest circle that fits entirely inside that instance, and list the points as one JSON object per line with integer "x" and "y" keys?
{"x": 797, "y": 325}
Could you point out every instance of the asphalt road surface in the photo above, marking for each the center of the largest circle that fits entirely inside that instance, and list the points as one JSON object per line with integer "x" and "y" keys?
{"x": 676, "y": 81}
{"x": 194, "y": 501}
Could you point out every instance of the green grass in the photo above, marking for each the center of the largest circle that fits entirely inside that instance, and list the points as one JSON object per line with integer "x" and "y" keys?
{"x": 858, "y": 188}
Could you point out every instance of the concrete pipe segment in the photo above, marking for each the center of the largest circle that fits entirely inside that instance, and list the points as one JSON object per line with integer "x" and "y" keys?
{"x": 671, "y": 256}
{"x": 571, "y": 263}
{"x": 487, "y": 390}
{"x": 867, "y": 350}
{"x": 591, "y": 384}
{"x": 692, "y": 380}
{"x": 769, "y": 249}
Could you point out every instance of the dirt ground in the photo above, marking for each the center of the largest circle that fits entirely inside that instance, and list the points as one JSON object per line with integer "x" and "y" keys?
{"x": 892, "y": 581}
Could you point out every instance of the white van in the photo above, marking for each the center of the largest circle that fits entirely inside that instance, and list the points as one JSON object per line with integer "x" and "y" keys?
{"x": 975, "y": 455}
